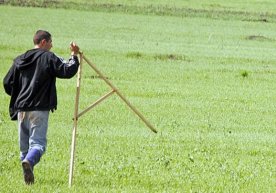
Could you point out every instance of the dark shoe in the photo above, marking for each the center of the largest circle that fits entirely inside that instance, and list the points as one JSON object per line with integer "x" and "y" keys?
{"x": 28, "y": 172}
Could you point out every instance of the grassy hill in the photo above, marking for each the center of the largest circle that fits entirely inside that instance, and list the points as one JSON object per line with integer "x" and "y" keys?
{"x": 203, "y": 72}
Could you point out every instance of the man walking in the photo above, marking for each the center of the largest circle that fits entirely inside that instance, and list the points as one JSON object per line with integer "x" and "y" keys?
{"x": 31, "y": 83}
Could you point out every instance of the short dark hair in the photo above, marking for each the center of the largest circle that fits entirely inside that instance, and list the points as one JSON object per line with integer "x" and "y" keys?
{"x": 40, "y": 35}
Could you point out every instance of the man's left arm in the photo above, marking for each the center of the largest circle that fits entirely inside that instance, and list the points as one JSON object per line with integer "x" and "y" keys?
{"x": 63, "y": 69}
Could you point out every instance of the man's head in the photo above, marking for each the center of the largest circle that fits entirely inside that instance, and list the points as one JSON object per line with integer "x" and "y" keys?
{"x": 43, "y": 39}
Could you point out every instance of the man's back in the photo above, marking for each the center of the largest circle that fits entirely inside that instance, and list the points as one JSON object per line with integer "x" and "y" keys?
{"x": 31, "y": 80}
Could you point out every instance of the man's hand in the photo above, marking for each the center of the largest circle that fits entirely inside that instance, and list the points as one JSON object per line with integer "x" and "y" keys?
{"x": 74, "y": 49}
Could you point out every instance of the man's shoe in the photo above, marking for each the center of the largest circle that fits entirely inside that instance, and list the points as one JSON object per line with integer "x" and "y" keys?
{"x": 28, "y": 172}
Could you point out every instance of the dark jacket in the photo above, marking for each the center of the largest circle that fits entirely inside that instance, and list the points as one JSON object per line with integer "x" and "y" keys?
{"x": 31, "y": 81}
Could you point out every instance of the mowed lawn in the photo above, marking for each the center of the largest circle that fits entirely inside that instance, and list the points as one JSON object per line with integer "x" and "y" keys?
{"x": 206, "y": 82}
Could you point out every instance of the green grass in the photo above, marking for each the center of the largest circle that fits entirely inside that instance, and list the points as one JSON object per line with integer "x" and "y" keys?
{"x": 253, "y": 10}
{"x": 206, "y": 83}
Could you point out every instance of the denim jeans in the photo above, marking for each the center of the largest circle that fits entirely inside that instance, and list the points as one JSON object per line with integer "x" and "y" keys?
{"x": 32, "y": 130}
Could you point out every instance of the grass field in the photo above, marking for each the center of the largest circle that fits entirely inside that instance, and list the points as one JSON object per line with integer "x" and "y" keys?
{"x": 203, "y": 73}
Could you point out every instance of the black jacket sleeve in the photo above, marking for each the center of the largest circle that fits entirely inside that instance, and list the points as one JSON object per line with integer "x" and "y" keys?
{"x": 62, "y": 69}
{"x": 11, "y": 88}
{"x": 9, "y": 80}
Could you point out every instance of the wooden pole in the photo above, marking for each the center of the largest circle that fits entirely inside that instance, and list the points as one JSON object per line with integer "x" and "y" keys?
{"x": 74, "y": 133}
{"x": 77, "y": 115}
{"x": 121, "y": 96}
{"x": 96, "y": 103}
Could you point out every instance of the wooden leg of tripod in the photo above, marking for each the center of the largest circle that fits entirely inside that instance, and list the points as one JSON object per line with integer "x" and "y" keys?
{"x": 74, "y": 132}
{"x": 121, "y": 96}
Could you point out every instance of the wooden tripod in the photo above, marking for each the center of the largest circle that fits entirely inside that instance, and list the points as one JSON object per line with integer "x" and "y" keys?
{"x": 77, "y": 114}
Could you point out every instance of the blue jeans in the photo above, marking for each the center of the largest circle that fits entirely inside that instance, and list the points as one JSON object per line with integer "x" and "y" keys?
{"x": 32, "y": 130}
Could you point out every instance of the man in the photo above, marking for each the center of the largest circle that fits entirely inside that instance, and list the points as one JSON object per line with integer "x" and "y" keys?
{"x": 31, "y": 84}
